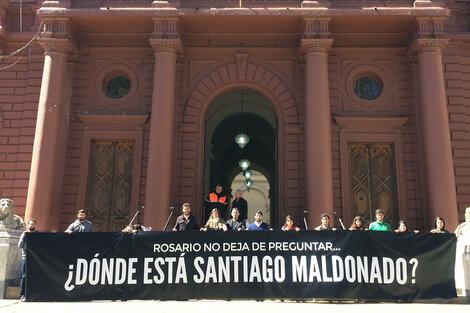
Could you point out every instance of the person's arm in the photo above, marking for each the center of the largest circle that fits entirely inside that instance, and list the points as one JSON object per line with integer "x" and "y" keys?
{"x": 70, "y": 229}
{"x": 21, "y": 242}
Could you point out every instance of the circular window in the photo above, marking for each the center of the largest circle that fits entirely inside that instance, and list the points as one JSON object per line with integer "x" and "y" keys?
{"x": 368, "y": 88}
{"x": 116, "y": 86}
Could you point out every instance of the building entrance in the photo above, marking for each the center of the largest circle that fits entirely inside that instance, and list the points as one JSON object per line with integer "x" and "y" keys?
{"x": 109, "y": 188}
{"x": 373, "y": 181}
{"x": 234, "y": 112}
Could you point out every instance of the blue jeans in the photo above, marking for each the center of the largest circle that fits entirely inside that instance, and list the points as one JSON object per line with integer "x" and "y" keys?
{"x": 23, "y": 276}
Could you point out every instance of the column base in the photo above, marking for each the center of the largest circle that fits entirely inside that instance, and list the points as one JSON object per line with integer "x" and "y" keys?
{"x": 10, "y": 267}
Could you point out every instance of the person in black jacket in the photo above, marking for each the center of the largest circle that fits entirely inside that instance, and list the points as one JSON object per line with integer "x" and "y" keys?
{"x": 241, "y": 205}
{"x": 186, "y": 221}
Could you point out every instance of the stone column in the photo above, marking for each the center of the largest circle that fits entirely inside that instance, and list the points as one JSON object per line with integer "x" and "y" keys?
{"x": 319, "y": 189}
{"x": 161, "y": 143}
{"x": 52, "y": 110}
{"x": 439, "y": 167}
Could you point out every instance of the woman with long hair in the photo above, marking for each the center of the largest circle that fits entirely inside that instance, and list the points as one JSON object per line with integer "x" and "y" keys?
{"x": 215, "y": 222}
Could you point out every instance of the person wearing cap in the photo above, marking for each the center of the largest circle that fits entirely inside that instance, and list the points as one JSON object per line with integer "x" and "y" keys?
{"x": 241, "y": 205}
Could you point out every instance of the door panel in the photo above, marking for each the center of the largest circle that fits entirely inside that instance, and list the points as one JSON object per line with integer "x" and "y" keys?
{"x": 373, "y": 180}
{"x": 110, "y": 184}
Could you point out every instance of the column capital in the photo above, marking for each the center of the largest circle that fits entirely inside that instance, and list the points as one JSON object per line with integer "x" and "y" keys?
{"x": 57, "y": 45}
{"x": 428, "y": 45}
{"x": 315, "y": 45}
{"x": 166, "y": 45}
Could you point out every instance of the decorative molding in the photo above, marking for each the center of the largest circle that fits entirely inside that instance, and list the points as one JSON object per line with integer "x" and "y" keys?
{"x": 166, "y": 45}
{"x": 429, "y": 45}
{"x": 166, "y": 4}
{"x": 315, "y": 28}
{"x": 66, "y": 4}
{"x": 58, "y": 45}
{"x": 316, "y": 45}
{"x": 370, "y": 124}
{"x": 316, "y": 4}
{"x": 242, "y": 61}
{"x": 165, "y": 28}
{"x": 428, "y": 3}
{"x": 431, "y": 27}
{"x": 113, "y": 119}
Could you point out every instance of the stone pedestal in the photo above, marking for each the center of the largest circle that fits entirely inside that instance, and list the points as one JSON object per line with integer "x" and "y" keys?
{"x": 10, "y": 263}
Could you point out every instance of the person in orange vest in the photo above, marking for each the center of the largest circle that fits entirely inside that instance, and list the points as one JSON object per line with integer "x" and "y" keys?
{"x": 216, "y": 200}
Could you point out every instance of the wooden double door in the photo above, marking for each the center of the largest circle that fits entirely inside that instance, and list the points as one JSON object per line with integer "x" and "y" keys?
{"x": 109, "y": 188}
{"x": 373, "y": 182}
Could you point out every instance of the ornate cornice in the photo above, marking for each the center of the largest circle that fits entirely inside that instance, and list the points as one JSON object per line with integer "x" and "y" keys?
{"x": 58, "y": 45}
{"x": 433, "y": 45}
{"x": 166, "y": 45}
{"x": 315, "y": 45}
{"x": 57, "y": 4}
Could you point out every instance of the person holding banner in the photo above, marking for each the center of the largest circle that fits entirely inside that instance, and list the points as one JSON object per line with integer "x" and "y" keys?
{"x": 234, "y": 224}
{"x": 30, "y": 228}
{"x": 462, "y": 260}
{"x": 215, "y": 222}
{"x": 379, "y": 224}
{"x": 325, "y": 223}
{"x": 81, "y": 225}
{"x": 186, "y": 221}
{"x": 439, "y": 226}
{"x": 289, "y": 224}
{"x": 357, "y": 224}
{"x": 258, "y": 224}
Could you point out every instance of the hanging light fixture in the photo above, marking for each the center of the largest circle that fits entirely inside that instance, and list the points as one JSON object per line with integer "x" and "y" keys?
{"x": 244, "y": 164}
{"x": 242, "y": 139}
{"x": 248, "y": 183}
{"x": 247, "y": 174}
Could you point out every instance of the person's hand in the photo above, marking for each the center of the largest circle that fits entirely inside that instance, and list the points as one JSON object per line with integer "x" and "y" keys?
{"x": 297, "y": 229}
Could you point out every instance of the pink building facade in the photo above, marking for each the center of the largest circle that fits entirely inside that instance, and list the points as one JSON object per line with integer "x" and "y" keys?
{"x": 119, "y": 106}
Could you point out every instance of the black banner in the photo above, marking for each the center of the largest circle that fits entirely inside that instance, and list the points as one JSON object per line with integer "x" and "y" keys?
{"x": 239, "y": 265}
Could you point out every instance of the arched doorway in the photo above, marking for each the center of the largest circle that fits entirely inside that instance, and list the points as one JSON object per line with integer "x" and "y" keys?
{"x": 257, "y": 196}
{"x": 229, "y": 114}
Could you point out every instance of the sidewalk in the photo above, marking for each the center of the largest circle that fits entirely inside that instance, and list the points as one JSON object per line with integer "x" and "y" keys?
{"x": 10, "y": 306}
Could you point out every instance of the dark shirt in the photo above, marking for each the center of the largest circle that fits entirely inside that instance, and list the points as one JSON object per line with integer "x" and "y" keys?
{"x": 183, "y": 223}
{"x": 80, "y": 227}
{"x": 235, "y": 225}
{"x": 242, "y": 207}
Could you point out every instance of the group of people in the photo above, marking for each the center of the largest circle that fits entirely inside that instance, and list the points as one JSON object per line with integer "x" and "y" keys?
{"x": 381, "y": 225}
{"x": 187, "y": 221}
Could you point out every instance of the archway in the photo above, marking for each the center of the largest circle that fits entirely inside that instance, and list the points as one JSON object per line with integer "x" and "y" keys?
{"x": 257, "y": 196}
{"x": 225, "y": 118}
